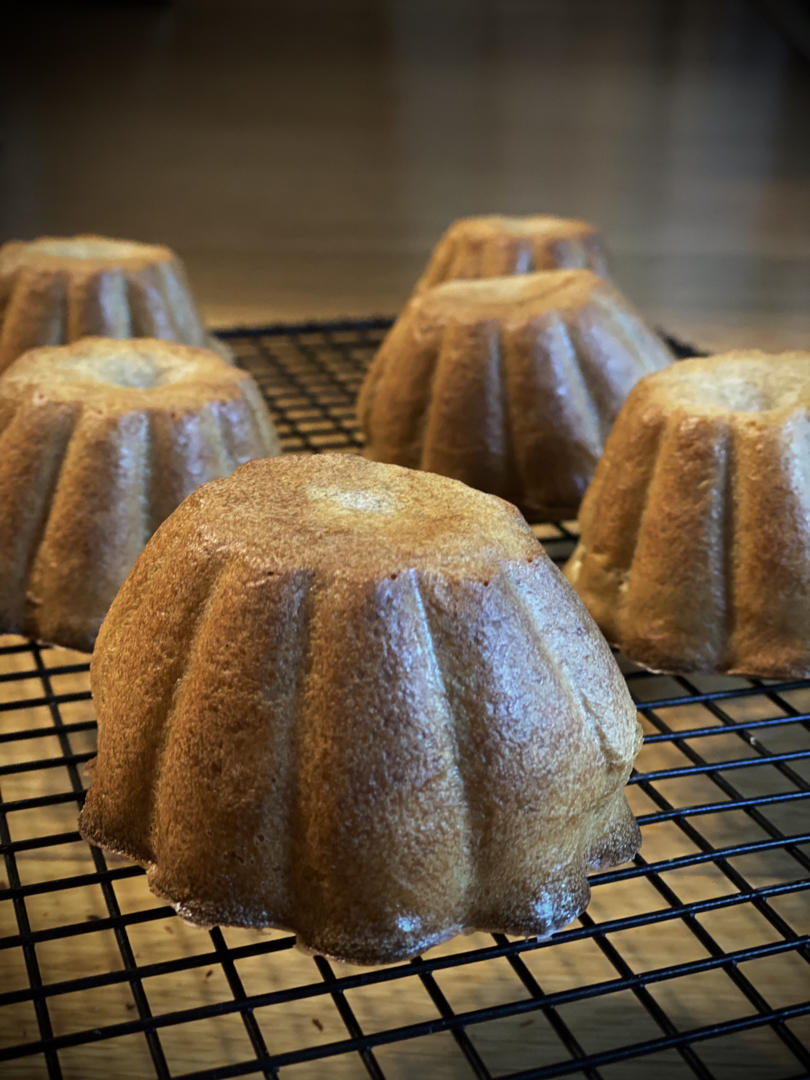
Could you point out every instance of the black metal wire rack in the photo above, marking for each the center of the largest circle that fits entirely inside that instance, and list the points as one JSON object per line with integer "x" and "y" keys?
{"x": 691, "y": 961}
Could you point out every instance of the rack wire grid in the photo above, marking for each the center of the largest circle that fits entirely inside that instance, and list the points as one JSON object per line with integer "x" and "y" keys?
{"x": 691, "y": 961}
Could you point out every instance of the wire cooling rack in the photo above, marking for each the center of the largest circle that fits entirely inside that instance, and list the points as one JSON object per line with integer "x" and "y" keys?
{"x": 691, "y": 961}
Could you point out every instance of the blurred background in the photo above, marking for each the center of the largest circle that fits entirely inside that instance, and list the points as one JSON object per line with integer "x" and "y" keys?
{"x": 304, "y": 156}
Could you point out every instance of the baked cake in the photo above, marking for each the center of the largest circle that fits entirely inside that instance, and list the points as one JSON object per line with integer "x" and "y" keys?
{"x": 510, "y": 384}
{"x": 495, "y": 245}
{"x": 695, "y": 534}
{"x": 361, "y": 703}
{"x": 54, "y": 290}
{"x": 99, "y": 442}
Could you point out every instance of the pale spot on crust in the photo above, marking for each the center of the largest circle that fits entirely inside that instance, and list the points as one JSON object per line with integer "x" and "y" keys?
{"x": 132, "y": 364}
{"x": 366, "y": 502}
{"x": 748, "y": 381}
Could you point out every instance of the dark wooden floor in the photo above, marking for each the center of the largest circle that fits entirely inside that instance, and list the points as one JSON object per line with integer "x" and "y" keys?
{"x": 304, "y": 156}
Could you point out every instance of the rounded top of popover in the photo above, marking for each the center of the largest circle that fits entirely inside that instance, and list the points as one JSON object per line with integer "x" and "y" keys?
{"x": 342, "y": 514}
{"x": 513, "y": 294}
{"x": 72, "y": 252}
{"x": 131, "y": 372}
{"x": 539, "y": 225}
{"x": 747, "y": 381}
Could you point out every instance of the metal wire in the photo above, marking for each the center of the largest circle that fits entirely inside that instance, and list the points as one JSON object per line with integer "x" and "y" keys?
{"x": 310, "y": 374}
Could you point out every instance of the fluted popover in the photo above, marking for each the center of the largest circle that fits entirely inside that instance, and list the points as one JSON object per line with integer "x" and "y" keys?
{"x": 358, "y": 702}
{"x": 99, "y": 442}
{"x": 510, "y": 384}
{"x": 695, "y": 533}
{"x": 494, "y": 245}
{"x": 54, "y": 290}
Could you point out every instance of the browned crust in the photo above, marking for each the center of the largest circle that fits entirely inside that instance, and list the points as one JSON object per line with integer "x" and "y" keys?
{"x": 493, "y": 244}
{"x": 365, "y": 706}
{"x": 510, "y": 384}
{"x": 89, "y": 469}
{"x": 132, "y": 290}
{"x": 694, "y": 551}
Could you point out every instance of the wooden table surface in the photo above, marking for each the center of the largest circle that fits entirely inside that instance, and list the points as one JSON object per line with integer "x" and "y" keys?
{"x": 303, "y": 158}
